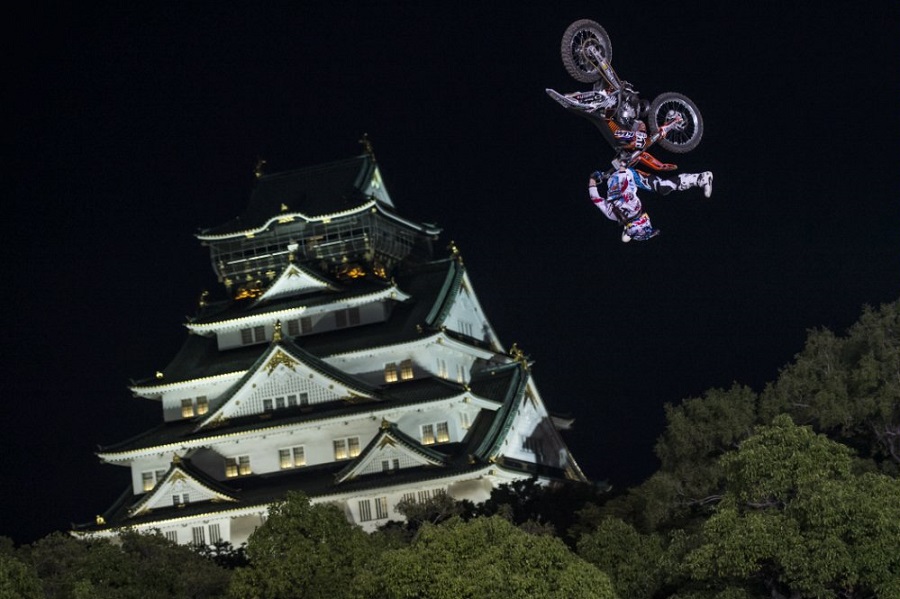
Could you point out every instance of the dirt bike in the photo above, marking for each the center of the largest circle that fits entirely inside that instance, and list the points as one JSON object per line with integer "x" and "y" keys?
{"x": 616, "y": 108}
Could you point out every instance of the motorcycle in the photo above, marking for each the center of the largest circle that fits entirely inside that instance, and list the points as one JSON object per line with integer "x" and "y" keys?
{"x": 616, "y": 108}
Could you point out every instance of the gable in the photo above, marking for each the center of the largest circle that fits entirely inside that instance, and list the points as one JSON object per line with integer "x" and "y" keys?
{"x": 283, "y": 378}
{"x": 178, "y": 488}
{"x": 294, "y": 280}
{"x": 390, "y": 450}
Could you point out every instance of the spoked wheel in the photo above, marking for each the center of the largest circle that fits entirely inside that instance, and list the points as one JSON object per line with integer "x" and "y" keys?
{"x": 683, "y": 137}
{"x": 579, "y": 42}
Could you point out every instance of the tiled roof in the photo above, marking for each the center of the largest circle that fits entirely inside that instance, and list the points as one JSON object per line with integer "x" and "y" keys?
{"x": 200, "y": 357}
{"x": 314, "y": 191}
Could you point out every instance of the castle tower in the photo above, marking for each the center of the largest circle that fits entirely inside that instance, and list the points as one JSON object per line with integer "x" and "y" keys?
{"x": 345, "y": 361}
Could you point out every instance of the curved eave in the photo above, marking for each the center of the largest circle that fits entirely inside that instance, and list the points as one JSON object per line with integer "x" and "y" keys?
{"x": 392, "y": 293}
{"x": 156, "y": 391}
{"x": 203, "y": 438}
{"x": 288, "y": 217}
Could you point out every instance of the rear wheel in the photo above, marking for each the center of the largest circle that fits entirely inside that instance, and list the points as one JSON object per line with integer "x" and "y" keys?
{"x": 685, "y": 136}
{"x": 579, "y": 41}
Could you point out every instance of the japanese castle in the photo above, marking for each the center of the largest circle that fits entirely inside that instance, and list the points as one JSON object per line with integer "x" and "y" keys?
{"x": 349, "y": 361}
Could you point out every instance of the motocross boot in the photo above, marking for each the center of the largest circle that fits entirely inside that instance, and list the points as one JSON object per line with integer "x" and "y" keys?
{"x": 703, "y": 180}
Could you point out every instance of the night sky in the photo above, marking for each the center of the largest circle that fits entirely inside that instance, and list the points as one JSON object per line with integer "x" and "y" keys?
{"x": 133, "y": 128}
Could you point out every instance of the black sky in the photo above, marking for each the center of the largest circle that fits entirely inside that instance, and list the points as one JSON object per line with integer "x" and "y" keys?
{"x": 131, "y": 128}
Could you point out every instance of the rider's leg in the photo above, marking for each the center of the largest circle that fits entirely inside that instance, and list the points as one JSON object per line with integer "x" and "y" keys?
{"x": 703, "y": 180}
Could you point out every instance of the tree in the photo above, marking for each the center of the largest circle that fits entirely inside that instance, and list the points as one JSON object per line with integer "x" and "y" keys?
{"x": 302, "y": 551}
{"x": 137, "y": 565}
{"x": 631, "y": 559}
{"x": 848, "y": 387}
{"x": 798, "y": 522}
{"x": 484, "y": 557}
{"x": 18, "y": 580}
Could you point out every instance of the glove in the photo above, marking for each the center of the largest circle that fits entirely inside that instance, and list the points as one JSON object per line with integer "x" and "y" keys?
{"x": 597, "y": 176}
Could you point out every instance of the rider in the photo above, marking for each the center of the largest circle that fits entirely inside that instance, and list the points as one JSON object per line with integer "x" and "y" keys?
{"x": 622, "y": 203}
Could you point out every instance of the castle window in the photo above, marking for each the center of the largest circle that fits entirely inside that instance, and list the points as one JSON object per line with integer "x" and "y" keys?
{"x": 442, "y": 368}
{"x": 172, "y": 536}
{"x": 390, "y": 373}
{"x": 215, "y": 533}
{"x": 406, "y": 370}
{"x": 427, "y": 434}
{"x": 279, "y": 403}
{"x": 237, "y": 466}
{"x": 443, "y": 432}
{"x": 365, "y": 510}
{"x": 292, "y": 457}
{"x": 267, "y": 405}
{"x": 253, "y": 335}
{"x": 187, "y": 408}
{"x": 388, "y": 465}
{"x": 198, "y": 535}
{"x": 381, "y": 508}
{"x": 202, "y": 405}
{"x": 180, "y": 499}
{"x": 345, "y": 449}
{"x": 435, "y": 433}
{"x": 150, "y": 478}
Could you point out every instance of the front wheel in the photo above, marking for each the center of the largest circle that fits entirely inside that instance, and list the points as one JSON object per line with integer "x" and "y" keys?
{"x": 579, "y": 42}
{"x": 685, "y": 136}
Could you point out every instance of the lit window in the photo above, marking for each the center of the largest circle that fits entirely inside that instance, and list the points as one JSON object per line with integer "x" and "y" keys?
{"x": 443, "y": 432}
{"x": 442, "y": 368}
{"x": 346, "y": 448}
{"x": 237, "y": 466}
{"x": 202, "y": 405}
{"x": 365, "y": 510}
{"x": 150, "y": 478}
{"x": 390, "y": 373}
{"x": 292, "y": 457}
{"x": 381, "y": 508}
{"x": 427, "y": 434}
{"x": 406, "y": 370}
{"x": 464, "y": 420}
{"x": 187, "y": 408}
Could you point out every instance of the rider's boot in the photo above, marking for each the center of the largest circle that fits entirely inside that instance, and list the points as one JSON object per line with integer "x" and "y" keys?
{"x": 703, "y": 180}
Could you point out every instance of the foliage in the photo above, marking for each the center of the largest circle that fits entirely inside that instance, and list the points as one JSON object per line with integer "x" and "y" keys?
{"x": 632, "y": 560}
{"x": 848, "y": 387}
{"x": 18, "y": 580}
{"x": 484, "y": 557}
{"x": 540, "y": 508}
{"x": 302, "y": 551}
{"x": 797, "y": 520}
{"x": 137, "y": 565}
